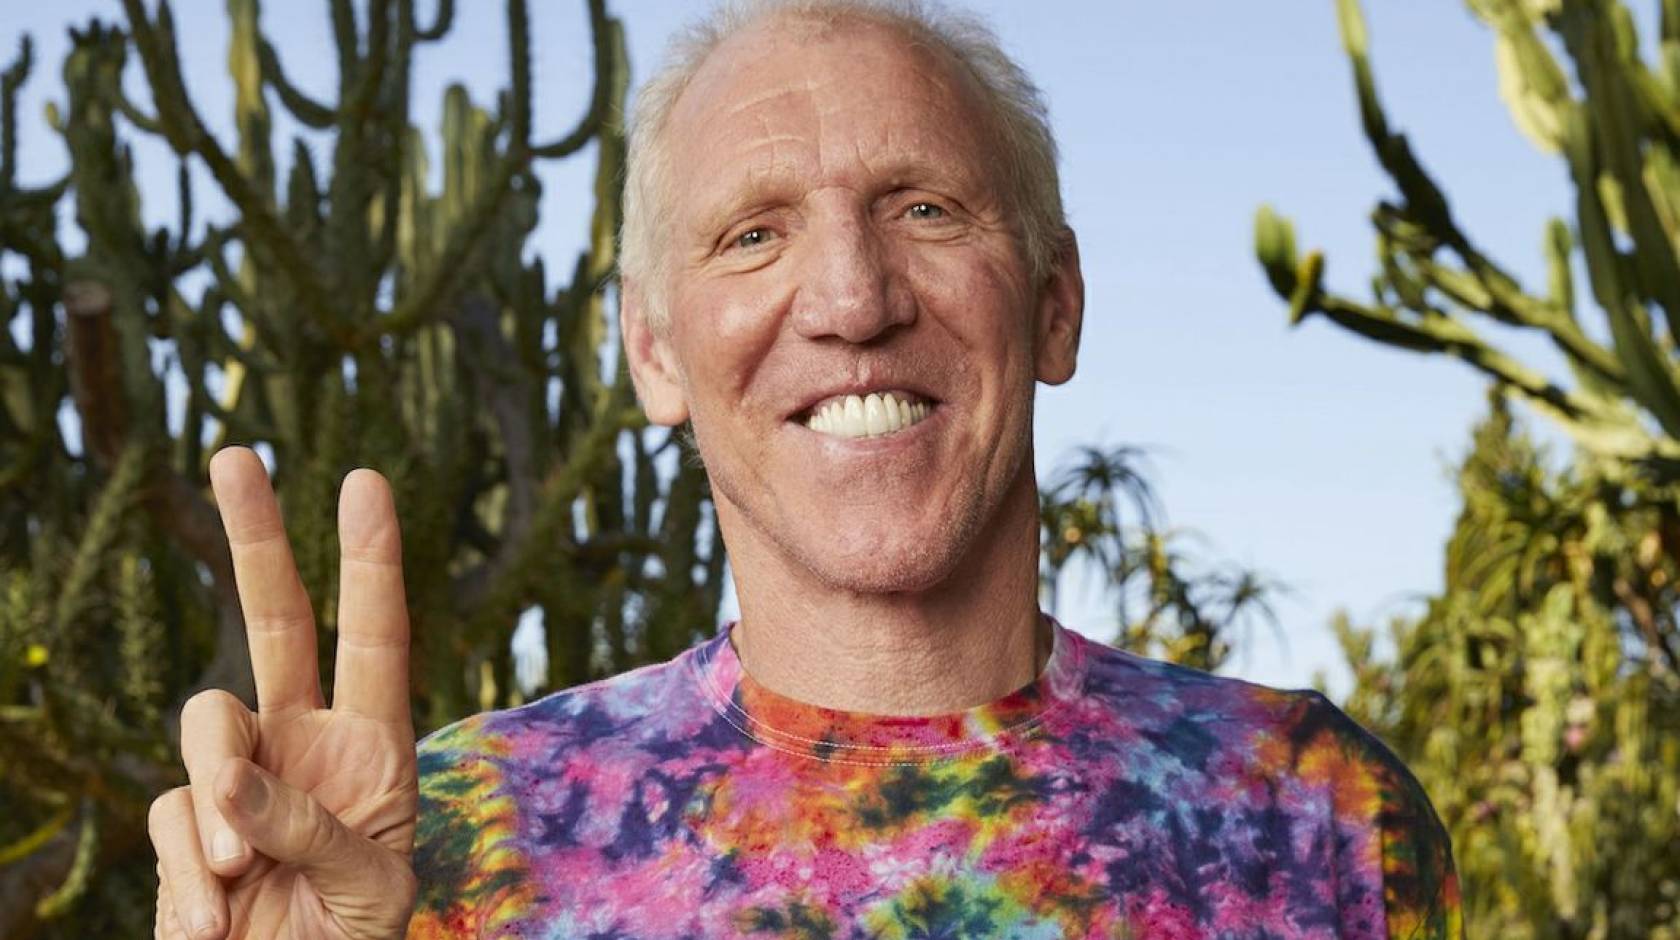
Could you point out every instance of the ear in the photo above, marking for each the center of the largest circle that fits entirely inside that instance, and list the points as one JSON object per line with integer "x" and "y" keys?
{"x": 653, "y": 366}
{"x": 1060, "y": 314}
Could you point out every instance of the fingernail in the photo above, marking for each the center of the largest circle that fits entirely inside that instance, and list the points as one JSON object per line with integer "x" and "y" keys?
{"x": 251, "y": 796}
{"x": 225, "y": 846}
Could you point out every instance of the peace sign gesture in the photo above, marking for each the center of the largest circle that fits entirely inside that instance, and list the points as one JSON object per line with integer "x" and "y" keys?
{"x": 298, "y": 821}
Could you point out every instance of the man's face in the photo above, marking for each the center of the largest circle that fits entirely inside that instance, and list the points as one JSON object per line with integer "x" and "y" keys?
{"x": 840, "y": 228}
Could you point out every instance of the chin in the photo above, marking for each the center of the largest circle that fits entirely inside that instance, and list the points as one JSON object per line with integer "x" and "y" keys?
{"x": 882, "y": 556}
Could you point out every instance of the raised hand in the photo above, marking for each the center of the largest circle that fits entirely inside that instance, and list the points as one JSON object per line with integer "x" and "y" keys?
{"x": 298, "y": 820}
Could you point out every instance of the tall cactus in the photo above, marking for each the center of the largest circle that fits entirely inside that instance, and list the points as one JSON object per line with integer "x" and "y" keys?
{"x": 344, "y": 313}
{"x": 1620, "y": 136}
{"x": 1539, "y": 694}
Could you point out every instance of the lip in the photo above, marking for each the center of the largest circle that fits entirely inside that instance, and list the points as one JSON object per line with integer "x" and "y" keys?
{"x": 875, "y": 384}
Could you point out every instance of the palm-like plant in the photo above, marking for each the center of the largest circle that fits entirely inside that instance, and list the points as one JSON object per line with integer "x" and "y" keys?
{"x": 1101, "y": 512}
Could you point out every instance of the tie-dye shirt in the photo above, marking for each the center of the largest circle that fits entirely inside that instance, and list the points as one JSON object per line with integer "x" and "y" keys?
{"x": 1113, "y": 797}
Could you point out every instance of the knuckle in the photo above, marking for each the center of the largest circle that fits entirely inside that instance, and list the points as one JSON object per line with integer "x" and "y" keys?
{"x": 166, "y": 811}
{"x": 207, "y": 706}
{"x": 279, "y": 622}
{"x": 404, "y": 890}
{"x": 405, "y": 885}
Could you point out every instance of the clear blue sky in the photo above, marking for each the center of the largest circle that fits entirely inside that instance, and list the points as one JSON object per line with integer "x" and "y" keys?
{"x": 1319, "y": 458}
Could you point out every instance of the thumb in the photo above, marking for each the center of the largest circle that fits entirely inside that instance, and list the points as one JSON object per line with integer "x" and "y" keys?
{"x": 359, "y": 880}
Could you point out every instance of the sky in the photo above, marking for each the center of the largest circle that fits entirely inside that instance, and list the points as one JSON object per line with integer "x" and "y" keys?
{"x": 1318, "y": 458}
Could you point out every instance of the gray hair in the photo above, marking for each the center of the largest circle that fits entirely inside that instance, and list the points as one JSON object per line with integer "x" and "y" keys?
{"x": 1032, "y": 189}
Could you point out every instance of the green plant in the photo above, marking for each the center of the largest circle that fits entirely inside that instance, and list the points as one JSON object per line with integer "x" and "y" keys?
{"x": 344, "y": 311}
{"x": 1537, "y": 695}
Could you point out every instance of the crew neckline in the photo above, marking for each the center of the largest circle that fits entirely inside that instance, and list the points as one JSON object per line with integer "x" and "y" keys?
{"x": 848, "y": 737}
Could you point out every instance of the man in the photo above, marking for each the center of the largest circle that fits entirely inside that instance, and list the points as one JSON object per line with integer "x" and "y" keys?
{"x": 846, "y": 264}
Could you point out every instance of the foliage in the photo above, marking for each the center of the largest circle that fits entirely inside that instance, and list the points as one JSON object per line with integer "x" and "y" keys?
{"x": 345, "y": 311}
{"x": 1170, "y": 602}
{"x": 1538, "y": 694}
{"x": 1542, "y": 729}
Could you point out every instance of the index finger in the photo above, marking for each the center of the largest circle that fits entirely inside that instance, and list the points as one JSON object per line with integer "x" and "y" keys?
{"x": 279, "y": 622}
{"x": 371, "y": 674}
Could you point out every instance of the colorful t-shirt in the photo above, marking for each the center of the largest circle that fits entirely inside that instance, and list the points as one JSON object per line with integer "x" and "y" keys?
{"x": 1113, "y": 797}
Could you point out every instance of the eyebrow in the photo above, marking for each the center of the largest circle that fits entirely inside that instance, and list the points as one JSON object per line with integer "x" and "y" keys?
{"x": 769, "y": 188}
{"x": 745, "y": 198}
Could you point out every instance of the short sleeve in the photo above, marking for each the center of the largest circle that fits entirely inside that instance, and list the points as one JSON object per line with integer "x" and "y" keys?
{"x": 1420, "y": 884}
{"x": 1395, "y": 861}
{"x": 470, "y": 874}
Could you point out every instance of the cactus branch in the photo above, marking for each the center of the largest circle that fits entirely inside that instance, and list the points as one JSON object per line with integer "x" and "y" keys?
{"x": 485, "y": 351}
{"x": 441, "y": 22}
{"x": 1416, "y": 278}
{"x": 608, "y": 38}
{"x": 11, "y": 80}
{"x": 184, "y": 198}
{"x": 132, "y": 113}
{"x": 347, "y": 40}
{"x": 307, "y": 110}
{"x": 1501, "y": 297}
{"x": 1614, "y": 125}
{"x": 494, "y": 592}
{"x": 519, "y": 67}
{"x": 422, "y": 305}
{"x": 187, "y": 133}
{"x": 1439, "y": 332}
{"x": 371, "y": 72}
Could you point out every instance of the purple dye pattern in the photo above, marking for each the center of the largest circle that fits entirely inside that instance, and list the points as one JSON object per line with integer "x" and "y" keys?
{"x": 1114, "y": 797}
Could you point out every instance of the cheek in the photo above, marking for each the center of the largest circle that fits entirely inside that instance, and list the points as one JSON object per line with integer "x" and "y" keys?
{"x": 725, "y": 339}
{"x": 980, "y": 300}
{"x": 728, "y": 337}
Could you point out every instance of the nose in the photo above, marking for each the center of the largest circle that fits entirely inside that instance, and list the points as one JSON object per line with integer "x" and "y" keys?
{"x": 849, "y": 288}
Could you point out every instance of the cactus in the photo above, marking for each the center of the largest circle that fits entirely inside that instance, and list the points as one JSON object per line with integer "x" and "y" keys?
{"x": 1528, "y": 693}
{"x": 345, "y": 313}
{"x": 1435, "y": 280}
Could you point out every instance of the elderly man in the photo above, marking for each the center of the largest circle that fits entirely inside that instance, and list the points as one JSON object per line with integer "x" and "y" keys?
{"x": 845, "y": 262}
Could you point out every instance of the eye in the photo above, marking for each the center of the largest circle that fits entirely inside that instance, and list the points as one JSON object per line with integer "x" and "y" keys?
{"x": 753, "y": 238}
{"x": 925, "y": 210}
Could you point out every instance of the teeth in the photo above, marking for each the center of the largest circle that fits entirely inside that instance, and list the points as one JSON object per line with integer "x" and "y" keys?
{"x": 867, "y": 416}
{"x": 874, "y": 417}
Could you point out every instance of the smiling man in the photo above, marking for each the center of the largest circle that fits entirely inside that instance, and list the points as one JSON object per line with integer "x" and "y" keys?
{"x": 846, "y": 263}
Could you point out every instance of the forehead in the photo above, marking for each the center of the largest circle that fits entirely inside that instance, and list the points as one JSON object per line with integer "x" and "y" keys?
{"x": 789, "y": 103}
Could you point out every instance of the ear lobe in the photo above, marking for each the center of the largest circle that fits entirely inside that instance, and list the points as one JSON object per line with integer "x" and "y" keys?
{"x": 653, "y": 367}
{"x": 1060, "y": 314}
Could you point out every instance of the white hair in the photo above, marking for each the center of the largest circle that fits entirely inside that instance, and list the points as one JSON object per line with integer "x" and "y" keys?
{"x": 1011, "y": 101}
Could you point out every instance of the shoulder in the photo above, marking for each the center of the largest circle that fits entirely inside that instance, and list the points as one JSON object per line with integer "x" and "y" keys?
{"x": 1297, "y": 750}
{"x": 645, "y": 702}
{"x": 1185, "y": 708}
{"x": 481, "y": 778}
{"x": 1283, "y": 733}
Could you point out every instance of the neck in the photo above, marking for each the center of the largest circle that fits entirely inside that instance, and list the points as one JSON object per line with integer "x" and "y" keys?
{"x": 973, "y": 638}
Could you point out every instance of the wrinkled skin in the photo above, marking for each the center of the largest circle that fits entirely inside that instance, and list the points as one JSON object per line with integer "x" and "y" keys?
{"x": 839, "y": 224}
{"x": 323, "y": 800}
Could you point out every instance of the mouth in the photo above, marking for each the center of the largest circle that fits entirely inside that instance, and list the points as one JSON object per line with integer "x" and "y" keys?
{"x": 875, "y": 414}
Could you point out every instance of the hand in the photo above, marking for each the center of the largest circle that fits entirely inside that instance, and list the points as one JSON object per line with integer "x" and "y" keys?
{"x": 298, "y": 820}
